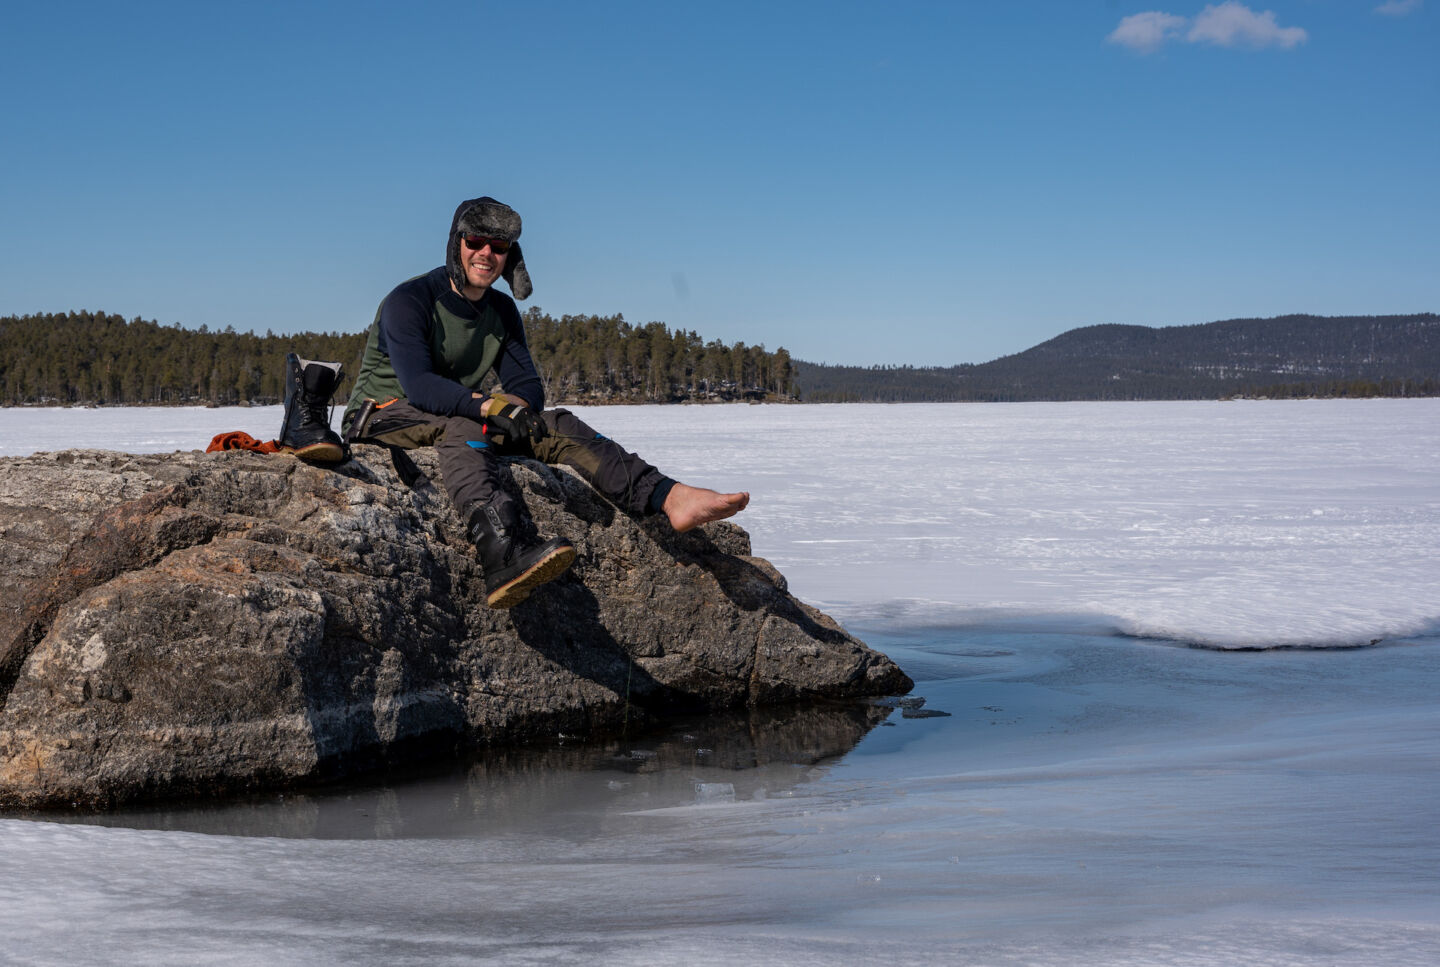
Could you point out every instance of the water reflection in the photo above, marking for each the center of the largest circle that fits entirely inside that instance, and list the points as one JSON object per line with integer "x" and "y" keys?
{"x": 572, "y": 790}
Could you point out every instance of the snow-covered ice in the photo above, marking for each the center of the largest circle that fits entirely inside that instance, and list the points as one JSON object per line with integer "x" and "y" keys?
{"x": 1096, "y": 795}
{"x": 1249, "y": 524}
{"x": 1236, "y": 524}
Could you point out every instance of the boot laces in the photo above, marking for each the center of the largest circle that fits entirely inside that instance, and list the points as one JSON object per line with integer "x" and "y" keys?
{"x": 316, "y": 412}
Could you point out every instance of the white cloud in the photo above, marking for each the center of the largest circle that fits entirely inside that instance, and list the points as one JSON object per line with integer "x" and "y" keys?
{"x": 1145, "y": 32}
{"x": 1228, "y": 24}
{"x": 1232, "y": 24}
{"x": 1399, "y": 8}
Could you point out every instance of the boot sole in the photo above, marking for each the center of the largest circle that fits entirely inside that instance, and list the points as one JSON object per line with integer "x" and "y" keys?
{"x": 318, "y": 452}
{"x": 543, "y": 571}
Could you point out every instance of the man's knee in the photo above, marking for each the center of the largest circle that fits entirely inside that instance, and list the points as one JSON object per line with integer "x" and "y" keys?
{"x": 561, "y": 421}
{"x": 568, "y": 440}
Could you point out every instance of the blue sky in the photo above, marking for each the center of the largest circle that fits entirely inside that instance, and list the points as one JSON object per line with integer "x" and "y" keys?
{"x": 926, "y": 183}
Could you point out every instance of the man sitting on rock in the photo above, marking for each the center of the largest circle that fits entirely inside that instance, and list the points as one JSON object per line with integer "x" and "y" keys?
{"x": 435, "y": 340}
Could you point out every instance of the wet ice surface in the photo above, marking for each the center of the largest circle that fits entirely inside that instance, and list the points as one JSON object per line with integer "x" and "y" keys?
{"x": 1091, "y": 798}
{"x": 1133, "y": 801}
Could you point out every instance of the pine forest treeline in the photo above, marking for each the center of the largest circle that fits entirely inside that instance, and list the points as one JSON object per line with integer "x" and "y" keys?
{"x": 93, "y": 357}
{"x": 100, "y": 358}
{"x": 593, "y": 359}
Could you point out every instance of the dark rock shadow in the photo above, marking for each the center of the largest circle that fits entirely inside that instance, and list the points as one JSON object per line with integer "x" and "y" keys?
{"x": 746, "y": 585}
{"x": 375, "y": 696}
{"x": 562, "y": 623}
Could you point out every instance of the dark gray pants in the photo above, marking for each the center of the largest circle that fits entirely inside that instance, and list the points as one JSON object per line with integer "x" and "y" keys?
{"x": 469, "y": 459}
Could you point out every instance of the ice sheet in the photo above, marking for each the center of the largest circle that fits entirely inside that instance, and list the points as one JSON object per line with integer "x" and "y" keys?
{"x": 1090, "y": 798}
{"x": 1234, "y": 524}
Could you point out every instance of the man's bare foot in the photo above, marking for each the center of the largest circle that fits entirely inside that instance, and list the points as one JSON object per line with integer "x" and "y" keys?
{"x": 689, "y": 507}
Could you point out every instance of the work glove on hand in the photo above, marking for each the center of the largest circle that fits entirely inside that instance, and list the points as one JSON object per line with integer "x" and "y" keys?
{"x": 515, "y": 421}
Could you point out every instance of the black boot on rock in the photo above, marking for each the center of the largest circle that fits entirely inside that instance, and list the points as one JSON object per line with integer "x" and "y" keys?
{"x": 306, "y": 431}
{"x": 515, "y": 563}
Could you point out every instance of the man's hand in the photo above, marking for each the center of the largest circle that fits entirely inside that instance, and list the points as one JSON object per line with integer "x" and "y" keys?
{"x": 515, "y": 420}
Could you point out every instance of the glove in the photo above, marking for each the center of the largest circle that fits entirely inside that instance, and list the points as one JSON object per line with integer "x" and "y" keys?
{"x": 515, "y": 421}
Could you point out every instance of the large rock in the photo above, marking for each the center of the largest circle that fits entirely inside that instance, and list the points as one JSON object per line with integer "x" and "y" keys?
{"x": 197, "y": 624}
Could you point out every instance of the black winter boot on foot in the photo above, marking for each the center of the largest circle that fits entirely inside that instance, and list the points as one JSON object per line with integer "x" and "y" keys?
{"x": 306, "y": 431}
{"x": 514, "y": 563}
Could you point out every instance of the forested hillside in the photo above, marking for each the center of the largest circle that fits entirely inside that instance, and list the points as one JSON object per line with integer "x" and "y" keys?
{"x": 95, "y": 357}
{"x": 85, "y": 357}
{"x": 1284, "y": 356}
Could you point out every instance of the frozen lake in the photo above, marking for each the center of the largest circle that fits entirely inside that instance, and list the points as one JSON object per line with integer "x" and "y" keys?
{"x": 1100, "y": 792}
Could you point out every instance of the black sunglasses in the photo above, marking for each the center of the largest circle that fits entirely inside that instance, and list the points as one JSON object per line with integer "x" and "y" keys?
{"x": 497, "y": 245}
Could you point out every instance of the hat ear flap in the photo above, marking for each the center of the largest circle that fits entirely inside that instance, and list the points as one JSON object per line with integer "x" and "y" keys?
{"x": 452, "y": 262}
{"x": 515, "y": 273}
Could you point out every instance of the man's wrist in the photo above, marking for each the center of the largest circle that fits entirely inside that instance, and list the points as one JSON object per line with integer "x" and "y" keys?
{"x": 494, "y": 401}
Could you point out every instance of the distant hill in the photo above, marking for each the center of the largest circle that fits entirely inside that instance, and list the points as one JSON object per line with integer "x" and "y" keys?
{"x": 1284, "y": 356}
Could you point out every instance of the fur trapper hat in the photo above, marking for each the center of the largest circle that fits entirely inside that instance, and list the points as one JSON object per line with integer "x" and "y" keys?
{"x": 486, "y": 216}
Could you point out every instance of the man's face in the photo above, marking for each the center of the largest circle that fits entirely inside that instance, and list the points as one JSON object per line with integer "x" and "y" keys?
{"x": 480, "y": 260}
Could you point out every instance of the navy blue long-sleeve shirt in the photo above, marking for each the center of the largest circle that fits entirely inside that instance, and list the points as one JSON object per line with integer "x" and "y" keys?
{"x": 435, "y": 349}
